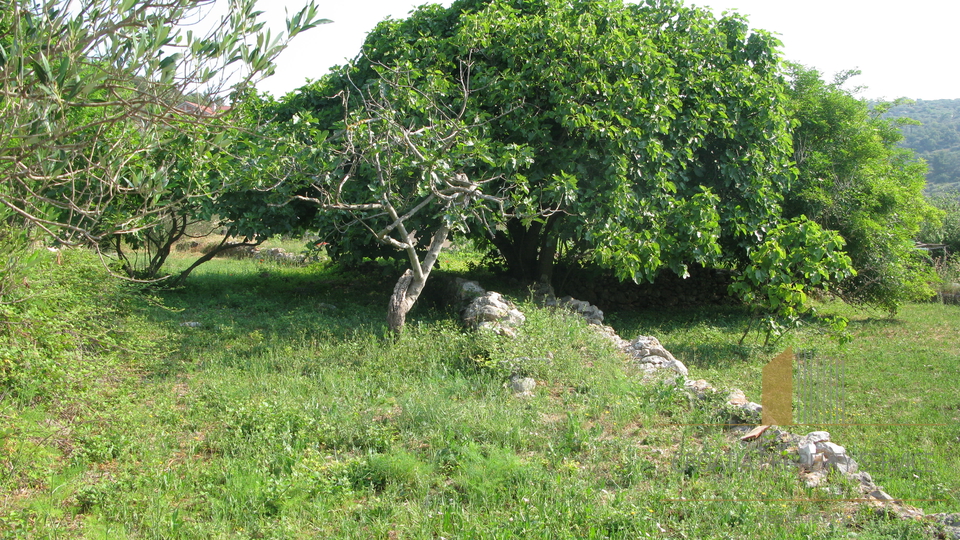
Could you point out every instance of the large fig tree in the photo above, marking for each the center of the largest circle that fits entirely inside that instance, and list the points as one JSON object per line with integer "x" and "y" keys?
{"x": 657, "y": 131}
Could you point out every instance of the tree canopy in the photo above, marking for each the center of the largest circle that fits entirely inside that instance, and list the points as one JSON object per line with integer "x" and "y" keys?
{"x": 856, "y": 180}
{"x": 657, "y": 132}
{"x": 100, "y": 136}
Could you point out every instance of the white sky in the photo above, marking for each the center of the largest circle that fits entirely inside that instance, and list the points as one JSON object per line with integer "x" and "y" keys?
{"x": 904, "y": 50}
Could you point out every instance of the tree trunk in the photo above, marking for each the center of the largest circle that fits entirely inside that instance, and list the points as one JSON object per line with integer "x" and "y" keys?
{"x": 529, "y": 251}
{"x": 400, "y": 303}
{"x": 410, "y": 285}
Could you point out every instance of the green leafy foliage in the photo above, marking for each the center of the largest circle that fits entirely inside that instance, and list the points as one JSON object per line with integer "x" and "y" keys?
{"x": 795, "y": 259}
{"x": 657, "y": 132}
{"x": 59, "y": 327}
{"x": 946, "y": 231}
{"x": 112, "y": 113}
{"x": 855, "y": 180}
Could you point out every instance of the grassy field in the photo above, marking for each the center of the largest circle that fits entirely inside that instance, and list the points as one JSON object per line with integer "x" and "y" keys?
{"x": 265, "y": 401}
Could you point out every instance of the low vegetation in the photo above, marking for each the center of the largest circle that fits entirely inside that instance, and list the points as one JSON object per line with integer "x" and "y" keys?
{"x": 270, "y": 401}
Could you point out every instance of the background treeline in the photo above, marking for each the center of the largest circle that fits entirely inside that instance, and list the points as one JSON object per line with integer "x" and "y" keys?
{"x": 936, "y": 139}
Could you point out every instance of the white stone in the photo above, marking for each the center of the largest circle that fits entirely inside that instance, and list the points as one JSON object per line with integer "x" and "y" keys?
{"x": 699, "y": 386}
{"x": 677, "y": 366}
{"x": 522, "y": 386}
{"x": 842, "y": 463}
{"x": 814, "y": 478}
{"x": 815, "y": 437}
{"x": 830, "y": 448}
{"x": 515, "y": 318}
{"x": 751, "y": 406}
{"x": 807, "y": 451}
{"x": 737, "y": 397}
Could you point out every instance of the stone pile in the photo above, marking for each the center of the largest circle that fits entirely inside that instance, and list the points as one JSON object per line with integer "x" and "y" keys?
{"x": 544, "y": 296}
{"x": 815, "y": 454}
{"x": 649, "y": 355}
{"x": 751, "y": 411}
{"x": 951, "y": 524}
{"x": 490, "y": 311}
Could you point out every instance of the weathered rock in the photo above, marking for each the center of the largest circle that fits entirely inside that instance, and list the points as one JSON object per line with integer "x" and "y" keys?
{"x": 491, "y": 312}
{"x": 648, "y": 350}
{"x": 951, "y": 524}
{"x": 699, "y": 387}
{"x": 881, "y": 495}
{"x": 466, "y": 290}
{"x": 807, "y": 452}
{"x": 814, "y": 437}
{"x": 843, "y": 463}
{"x": 830, "y": 448}
{"x": 590, "y": 313}
{"x": 866, "y": 481}
{"x": 522, "y": 386}
{"x": 271, "y": 254}
{"x": 609, "y": 333}
{"x": 677, "y": 366}
{"x": 643, "y": 346}
{"x": 752, "y": 407}
{"x": 737, "y": 397}
{"x": 813, "y": 479}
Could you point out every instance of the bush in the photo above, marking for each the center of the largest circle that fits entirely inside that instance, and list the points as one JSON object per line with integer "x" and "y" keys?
{"x": 947, "y": 231}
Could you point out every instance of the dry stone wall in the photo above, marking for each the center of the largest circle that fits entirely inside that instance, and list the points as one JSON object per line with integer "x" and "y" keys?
{"x": 814, "y": 454}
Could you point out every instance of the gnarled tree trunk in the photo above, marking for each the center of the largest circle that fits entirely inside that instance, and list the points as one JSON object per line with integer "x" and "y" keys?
{"x": 411, "y": 283}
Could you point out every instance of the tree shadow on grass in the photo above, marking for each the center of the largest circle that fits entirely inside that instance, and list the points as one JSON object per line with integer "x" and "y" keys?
{"x": 253, "y": 311}
{"x": 701, "y": 337}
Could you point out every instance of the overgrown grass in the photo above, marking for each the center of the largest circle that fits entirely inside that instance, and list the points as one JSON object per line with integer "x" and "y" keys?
{"x": 264, "y": 401}
{"x": 898, "y": 411}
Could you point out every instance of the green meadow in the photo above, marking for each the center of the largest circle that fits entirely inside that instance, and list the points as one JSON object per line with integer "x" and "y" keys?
{"x": 270, "y": 401}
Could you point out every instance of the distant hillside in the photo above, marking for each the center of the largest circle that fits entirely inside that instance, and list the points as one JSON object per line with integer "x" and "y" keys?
{"x": 937, "y": 140}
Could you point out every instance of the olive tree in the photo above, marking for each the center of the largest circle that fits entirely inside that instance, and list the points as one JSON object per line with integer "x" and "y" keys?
{"x": 93, "y": 102}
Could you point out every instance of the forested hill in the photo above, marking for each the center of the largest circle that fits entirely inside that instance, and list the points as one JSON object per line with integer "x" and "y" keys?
{"x": 937, "y": 140}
